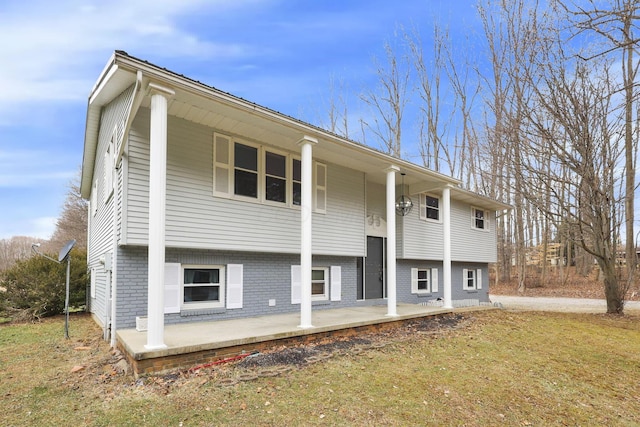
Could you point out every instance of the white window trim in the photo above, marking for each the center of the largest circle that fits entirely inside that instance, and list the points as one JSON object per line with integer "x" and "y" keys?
{"x": 93, "y": 199}
{"x": 473, "y": 219}
{"x": 288, "y": 171}
{"x": 423, "y": 208}
{"x": 432, "y": 281}
{"x": 325, "y": 295}
{"x": 260, "y": 172}
{"x": 291, "y": 181}
{"x": 109, "y": 167}
{"x": 92, "y": 289}
{"x": 203, "y": 305}
{"x": 477, "y": 279}
{"x": 319, "y": 189}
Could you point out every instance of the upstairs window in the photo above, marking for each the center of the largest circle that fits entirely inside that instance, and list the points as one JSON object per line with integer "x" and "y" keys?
{"x": 249, "y": 171}
{"x": 297, "y": 182}
{"x": 109, "y": 167}
{"x": 479, "y": 219}
{"x": 429, "y": 207}
{"x": 275, "y": 177}
{"x": 245, "y": 170}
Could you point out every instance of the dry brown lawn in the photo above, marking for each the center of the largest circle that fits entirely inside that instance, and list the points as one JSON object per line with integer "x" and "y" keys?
{"x": 485, "y": 368}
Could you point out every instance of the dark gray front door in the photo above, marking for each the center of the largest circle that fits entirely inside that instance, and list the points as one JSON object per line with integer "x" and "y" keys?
{"x": 374, "y": 268}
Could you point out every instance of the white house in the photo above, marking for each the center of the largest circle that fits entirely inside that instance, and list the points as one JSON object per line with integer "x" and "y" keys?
{"x": 205, "y": 206}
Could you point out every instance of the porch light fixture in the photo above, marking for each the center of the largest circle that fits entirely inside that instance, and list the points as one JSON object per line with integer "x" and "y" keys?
{"x": 404, "y": 203}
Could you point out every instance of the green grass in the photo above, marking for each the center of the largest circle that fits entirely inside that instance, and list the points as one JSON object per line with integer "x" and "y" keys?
{"x": 503, "y": 368}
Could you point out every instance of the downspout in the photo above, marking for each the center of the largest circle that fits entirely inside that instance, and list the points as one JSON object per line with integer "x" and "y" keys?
{"x": 133, "y": 108}
{"x": 138, "y": 95}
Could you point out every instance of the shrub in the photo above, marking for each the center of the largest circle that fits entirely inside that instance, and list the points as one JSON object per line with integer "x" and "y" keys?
{"x": 35, "y": 287}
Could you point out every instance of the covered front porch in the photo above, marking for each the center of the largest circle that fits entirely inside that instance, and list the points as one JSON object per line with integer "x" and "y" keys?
{"x": 190, "y": 344}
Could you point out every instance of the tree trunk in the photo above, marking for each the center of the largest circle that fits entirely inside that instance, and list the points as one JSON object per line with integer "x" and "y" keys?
{"x": 615, "y": 301}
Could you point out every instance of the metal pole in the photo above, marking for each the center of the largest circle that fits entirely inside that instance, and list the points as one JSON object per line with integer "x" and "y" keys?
{"x": 66, "y": 301}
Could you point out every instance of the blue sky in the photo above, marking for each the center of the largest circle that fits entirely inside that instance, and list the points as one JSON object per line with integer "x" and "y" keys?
{"x": 280, "y": 54}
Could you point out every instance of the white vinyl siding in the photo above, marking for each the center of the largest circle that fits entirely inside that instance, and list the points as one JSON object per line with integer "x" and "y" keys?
{"x": 420, "y": 239}
{"x": 101, "y": 227}
{"x": 468, "y": 244}
{"x": 196, "y": 218}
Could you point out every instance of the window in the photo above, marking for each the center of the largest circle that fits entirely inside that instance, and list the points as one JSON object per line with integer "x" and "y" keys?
{"x": 246, "y": 170}
{"x": 203, "y": 287}
{"x": 471, "y": 279}
{"x": 297, "y": 182}
{"x": 422, "y": 284}
{"x": 93, "y": 204}
{"x": 424, "y": 280}
{"x": 109, "y": 168}
{"x": 266, "y": 176}
{"x": 319, "y": 278}
{"x": 479, "y": 219}
{"x": 92, "y": 289}
{"x": 275, "y": 177}
{"x": 429, "y": 207}
{"x": 321, "y": 188}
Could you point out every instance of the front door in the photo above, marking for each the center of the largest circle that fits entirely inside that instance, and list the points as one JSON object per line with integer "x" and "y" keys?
{"x": 374, "y": 268}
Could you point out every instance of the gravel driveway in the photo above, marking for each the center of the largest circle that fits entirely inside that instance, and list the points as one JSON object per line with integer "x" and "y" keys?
{"x": 569, "y": 305}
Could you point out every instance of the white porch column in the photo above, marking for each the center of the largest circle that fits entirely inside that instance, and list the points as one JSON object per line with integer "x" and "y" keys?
{"x": 391, "y": 240}
{"x": 446, "y": 229}
{"x": 306, "y": 209}
{"x": 157, "y": 202}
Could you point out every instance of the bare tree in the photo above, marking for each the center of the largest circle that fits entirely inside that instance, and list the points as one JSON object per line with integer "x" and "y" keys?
{"x": 338, "y": 111}
{"x": 429, "y": 73}
{"x": 616, "y": 24}
{"x": 15, "y": 249}
{"x": 72, "y": 223}
{"x": 389, "y": 100}
{"x": 570, "y": 122}
{"x": 512, "y": 31}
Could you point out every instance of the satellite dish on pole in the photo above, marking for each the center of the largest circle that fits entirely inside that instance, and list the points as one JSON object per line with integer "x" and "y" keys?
{"x": 64, "y": 252}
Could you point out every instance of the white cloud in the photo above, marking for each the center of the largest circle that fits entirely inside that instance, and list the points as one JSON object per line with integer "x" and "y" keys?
{"x": 39, "y": 227}
{"x": 51, "y": 51}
